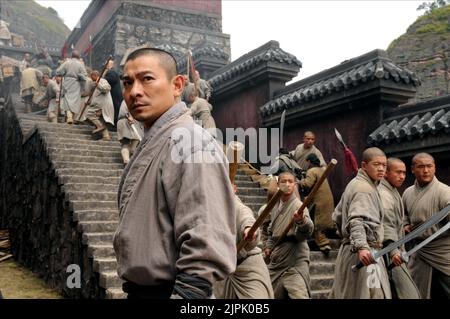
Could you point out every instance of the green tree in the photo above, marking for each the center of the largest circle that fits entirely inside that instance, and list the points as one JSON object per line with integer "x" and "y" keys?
{"x": 431, "y": 5}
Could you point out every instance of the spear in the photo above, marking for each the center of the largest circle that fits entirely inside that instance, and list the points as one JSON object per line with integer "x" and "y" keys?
{"x": 351, "y": 165}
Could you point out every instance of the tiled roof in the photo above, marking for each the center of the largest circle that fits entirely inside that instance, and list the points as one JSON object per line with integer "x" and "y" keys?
{"x": 271, "y": 52}
{"x": 412, "y": 127}
{"x": 371, "y": 66}
{"x": 203, "y": 51}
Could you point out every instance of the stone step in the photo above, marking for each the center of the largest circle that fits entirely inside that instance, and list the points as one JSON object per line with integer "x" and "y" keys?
{"x": 242, "y": 183}
{"x": 105, "y": 264}
{"x": 75, "y": 141}
{"x": 63, "y": 127}
{"x": 75, "y": 135}
{"x": 317, "y": 256}
{"x": 95, "y": 147}
{"x": 86, "y": 159}
{"x": 89, "y": 179}
{"x": 95, "y": 215}
{"x": 321, "y": 268}
{"x": 94, "y": 166}
{"x": 321, "y": 282}
{"x": 320, "y": 294}
{"x": 89, "y": 187}
{"x": 77, "y": 205}
{"x": 90, "y": 196}
{"x": 97, "y": 238}
{"x": 110, "y": 279}
{"x": 251, "y": 191}
{"x": 101, "y": 251}
{"x": 242, "y": 177}
{"x": 103, "y": 226}
{"x": 253, "y": 199}
{"x": 82, "y": 152}
{"x": 90, "y": 172}
{"x": 115, "y": 293}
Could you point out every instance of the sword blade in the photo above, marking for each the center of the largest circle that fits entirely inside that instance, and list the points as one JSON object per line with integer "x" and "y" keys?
{"x": 283, "y": 118}
{"x": 434, "y": 219}
{"x": 427, "y": 240}
{"x": 136, "y": 132}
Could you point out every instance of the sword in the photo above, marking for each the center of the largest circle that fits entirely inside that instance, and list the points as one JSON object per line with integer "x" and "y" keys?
{"x": 133, "y": 126}
{"x": 436, "y": 218}
{"x": 283, "y": 117}
{"x": 405, "y": 255}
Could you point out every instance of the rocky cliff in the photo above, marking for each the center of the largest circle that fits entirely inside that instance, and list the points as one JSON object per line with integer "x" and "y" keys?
{"x": 35, "y": 23}
{"x": 425, "y": 49}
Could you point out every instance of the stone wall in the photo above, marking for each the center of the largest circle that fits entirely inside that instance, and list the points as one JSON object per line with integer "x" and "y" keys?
{"x": 33, "y": 207}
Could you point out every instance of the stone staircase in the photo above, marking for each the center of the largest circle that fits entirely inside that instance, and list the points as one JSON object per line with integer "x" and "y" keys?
{"x": 89, "y": 172}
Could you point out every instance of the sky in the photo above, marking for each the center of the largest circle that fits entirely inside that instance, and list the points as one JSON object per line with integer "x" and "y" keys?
{"x": 321, "y": 34}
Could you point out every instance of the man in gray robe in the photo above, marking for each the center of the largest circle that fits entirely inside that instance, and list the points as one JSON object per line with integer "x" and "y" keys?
{"x": 430, "y": 266}
{"x": 251, "y": 280}
{"x": 29, "y": 86}
{"x": 51, "y": 96}
{"x": 201, "y": 110}
{"x": 289, "y": 260}
{"x": 177, "y": 218}
{"x": 402, "y": 284}
{"x": 128, "y": 137}
{"x": 101, "y": 109}
{"x": 307, "y": 147}
{"x": 359, "y": 219}
{"x": 204, "y": 88}
{"x": 74, "y": 78}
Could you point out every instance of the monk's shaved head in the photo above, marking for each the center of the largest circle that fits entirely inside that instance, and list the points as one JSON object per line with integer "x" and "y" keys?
{"x": 286, "y": 173}
{"x": 309, "y": 133}
{"x": 392, "y": 161}
{"x": 421, "y": 155}
{"x": 370, "y": 153}
{"x": 165, "y": 59}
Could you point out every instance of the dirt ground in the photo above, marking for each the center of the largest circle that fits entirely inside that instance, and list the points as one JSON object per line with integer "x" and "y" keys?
{"x": 17, "y": 282}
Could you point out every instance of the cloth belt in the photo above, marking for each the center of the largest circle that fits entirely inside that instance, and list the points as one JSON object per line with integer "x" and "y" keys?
{"x": 135, "y": 291}
{"x": 289, "y": 238}
{"x": 372, "y": 244}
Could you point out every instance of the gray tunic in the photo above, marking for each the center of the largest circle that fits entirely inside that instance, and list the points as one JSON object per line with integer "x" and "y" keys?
{"x": 51, "y": 96}
{"x": 420, "y": 204}
{"x": 251, "y": 280}
{"x": 124, "y": 129}
{"x": 291, "y": 256}
{"x": 176, "y": 206}
{"x": 300, "y": 153}
{"x": 359, "y": 216}
{"x": 74, "y": 75}
{"x": 201, "y": 112}
{"x": 102, "y": 100}
{"x": 401, "y": 280}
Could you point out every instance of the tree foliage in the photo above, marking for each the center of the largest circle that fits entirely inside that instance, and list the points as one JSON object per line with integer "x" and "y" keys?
{"x": 431, "y": 5}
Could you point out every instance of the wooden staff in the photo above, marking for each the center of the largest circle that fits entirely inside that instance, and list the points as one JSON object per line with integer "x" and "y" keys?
{"x": 80, "y": 114}
{"x": 58, "y": 109}
{"x": 261, "y": 218}
{"x": 307, "y": 201}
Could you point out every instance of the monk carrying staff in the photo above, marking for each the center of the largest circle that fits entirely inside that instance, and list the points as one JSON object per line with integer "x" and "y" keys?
{"x": 429, "y": 266}
{"x": 128, "y": 137}
{"x": 307, "y": 147}
{"x": 177, "y": 218}
{"x": 359, "y": 218}
{"x": 251, "y": 280}
{"x": 402, "y": 284}
{"x": 289, "y": 261}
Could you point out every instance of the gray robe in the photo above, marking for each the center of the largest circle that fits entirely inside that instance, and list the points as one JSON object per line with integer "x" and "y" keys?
{"x": 51, "y": 96}
{"x": 101, "y": 100}
{"x": 300, "y": 153}
{"x": 401, "y": 280}
{"x": 176, "y": 206}
{"x": 124, "y": 129}
{"x": 358, "y": 217}
{"x": 290, "y": 259}
{"x": 74, "y": 75}
{"x": 201, "y": 112}
{"x": 251, "y": 280}
{"x": 420, "y": 204}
